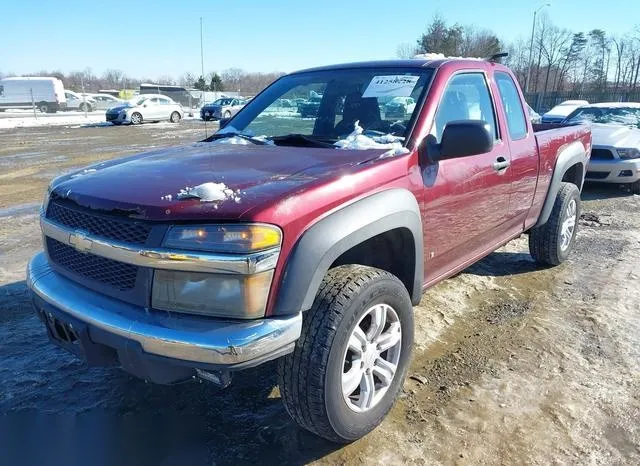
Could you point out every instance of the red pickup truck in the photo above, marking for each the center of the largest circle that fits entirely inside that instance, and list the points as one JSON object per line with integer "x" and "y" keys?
{"x": 305, "y": 239}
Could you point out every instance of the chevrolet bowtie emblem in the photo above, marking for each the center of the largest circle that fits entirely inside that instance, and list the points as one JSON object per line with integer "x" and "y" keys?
{"x": 80, "y": 242}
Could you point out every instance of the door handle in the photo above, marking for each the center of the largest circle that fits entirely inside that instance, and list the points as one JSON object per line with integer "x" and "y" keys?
{"x": 501, "y": 164}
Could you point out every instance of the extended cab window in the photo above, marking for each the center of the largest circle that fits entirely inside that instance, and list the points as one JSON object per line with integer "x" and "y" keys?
{"x": 465, "y": 98}
{"x": 516, "y": 121}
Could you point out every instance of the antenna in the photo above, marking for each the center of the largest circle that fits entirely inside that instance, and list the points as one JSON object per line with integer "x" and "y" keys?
{"x": 496, "y": 57}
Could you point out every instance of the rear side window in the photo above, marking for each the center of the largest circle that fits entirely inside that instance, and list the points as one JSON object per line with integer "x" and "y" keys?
{"x": 516, "y": 122}
{"x": 466, "y": 97}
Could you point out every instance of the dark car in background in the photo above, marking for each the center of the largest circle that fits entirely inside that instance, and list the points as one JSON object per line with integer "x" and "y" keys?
{"x": 309, "y": 108}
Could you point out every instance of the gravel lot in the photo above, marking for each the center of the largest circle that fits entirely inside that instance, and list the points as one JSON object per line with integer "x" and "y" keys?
{"x": 513, "y": 364}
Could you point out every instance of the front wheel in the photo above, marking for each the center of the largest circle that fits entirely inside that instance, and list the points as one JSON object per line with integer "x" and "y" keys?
{"x": 175, "y": 117}
{"x": 84, "y": 107}
{"x": 635, "y": 187}
{"x": 551, "y": 243}
{"x": 351, "y": 359}
{"x": 136, "y": 118}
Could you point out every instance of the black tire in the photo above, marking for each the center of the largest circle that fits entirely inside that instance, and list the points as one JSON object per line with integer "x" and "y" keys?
{"x": 175, "y": 117}
{"x": 84, "y": 107}
{"x": 635, "y": 187}
{"x": 310, "y": 378}
{"x": 546, "y": 241}
{"x": 227, "y": 114}
{"x": 43, "y": 107}
{"x": 136, "y": 118}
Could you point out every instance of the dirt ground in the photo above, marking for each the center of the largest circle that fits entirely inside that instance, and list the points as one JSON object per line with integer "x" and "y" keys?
{"x": 512, "y": 364}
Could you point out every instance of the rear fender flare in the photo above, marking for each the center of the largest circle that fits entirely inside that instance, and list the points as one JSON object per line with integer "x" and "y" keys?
{"x": 572, "y": 154}
{"x": 320, "y": 245}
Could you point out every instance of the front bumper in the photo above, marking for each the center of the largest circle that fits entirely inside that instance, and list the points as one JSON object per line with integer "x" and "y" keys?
{"x": 159, "y": 346}
{"x": 613, "y": 171}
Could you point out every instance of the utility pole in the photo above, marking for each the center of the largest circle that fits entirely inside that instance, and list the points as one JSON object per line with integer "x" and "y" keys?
{"x": 202, "y": 69}
{"x": 533, "y": 30}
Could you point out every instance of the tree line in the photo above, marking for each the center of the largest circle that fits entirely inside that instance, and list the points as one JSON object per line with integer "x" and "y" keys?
{"x": 232, "y": 79}
{"x": 558, "y": 60}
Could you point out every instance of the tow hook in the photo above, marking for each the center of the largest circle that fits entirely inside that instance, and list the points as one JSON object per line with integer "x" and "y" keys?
{"x": 220, "y": 378}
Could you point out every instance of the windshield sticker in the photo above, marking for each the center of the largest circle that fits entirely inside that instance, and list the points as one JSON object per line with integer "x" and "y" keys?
{"x": 393, "y": 86}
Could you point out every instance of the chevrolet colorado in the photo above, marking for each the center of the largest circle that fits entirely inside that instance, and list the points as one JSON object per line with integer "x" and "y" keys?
{"x": 305, "y": 240}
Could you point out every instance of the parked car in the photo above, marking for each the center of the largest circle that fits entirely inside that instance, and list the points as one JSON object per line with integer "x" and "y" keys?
{"x": 104, "y": 101}
{"x": 615, "y": 157}
{"x": 399, "y": 107}
{"x": 47, "y": 94}
{"x": 222, "y": 108}
{"x": 148, "y": 107}
{"x": 310, "y": 243}
{"x": 561, "y": 111}
{"x": 309, "y": 108}
{"x": 79, "y": 102}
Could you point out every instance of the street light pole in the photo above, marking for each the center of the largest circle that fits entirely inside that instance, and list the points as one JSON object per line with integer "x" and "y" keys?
{"x": 533, "y": 30}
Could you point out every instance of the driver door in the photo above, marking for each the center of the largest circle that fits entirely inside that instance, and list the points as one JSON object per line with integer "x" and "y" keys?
{"x": 466, "y": 199}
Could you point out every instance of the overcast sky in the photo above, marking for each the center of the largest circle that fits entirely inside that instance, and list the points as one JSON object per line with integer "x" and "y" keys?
{"x": 150, "y": 39}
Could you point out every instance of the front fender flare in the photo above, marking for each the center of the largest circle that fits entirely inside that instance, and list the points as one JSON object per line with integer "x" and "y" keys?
{"x": 329, "y": 238}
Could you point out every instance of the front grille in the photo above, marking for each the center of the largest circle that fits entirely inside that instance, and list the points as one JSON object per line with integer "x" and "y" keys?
{"x": 112, "y": 116}
{"x": 601, "y": 154}
{"x": 107, "y": 271}
{"x": 597, "y": 175}
{"x": 106, "y": 227}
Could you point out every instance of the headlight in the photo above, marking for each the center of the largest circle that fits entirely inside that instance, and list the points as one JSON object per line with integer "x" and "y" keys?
{"x": 631, "y": 153}
{"x": 231, "y": 238}
{"x": 219, "y": 295}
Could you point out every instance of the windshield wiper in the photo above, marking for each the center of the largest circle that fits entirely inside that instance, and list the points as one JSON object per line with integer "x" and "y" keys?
{"x": 230, "y": 134}
{"x": 302, "y": 140}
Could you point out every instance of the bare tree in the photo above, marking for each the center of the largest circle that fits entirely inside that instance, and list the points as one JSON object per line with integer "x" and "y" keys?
{"x": 406, "y": 50}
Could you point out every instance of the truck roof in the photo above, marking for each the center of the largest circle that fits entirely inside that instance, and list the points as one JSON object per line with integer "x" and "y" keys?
{"x": 423, "y": 61}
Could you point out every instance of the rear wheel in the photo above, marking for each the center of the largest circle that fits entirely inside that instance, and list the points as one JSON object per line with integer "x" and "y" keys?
{"x": 175, "y": 117}
{"x": 351, "y": 359}
{"x": 43, "y": 107}
{"x": 551, "y": 243}
{"x": 635, "y": 187}
{"x": 136, "y": 118}
{"x": 227, "y": 114}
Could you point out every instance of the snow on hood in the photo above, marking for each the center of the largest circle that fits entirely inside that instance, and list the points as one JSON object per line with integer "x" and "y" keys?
{"x": 359, "y": 141}
{"x": 206, "y": 192}
{"x": 615, "y": 136}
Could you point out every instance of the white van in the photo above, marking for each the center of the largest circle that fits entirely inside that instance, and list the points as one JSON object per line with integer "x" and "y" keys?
{"x": 46, "y": 93}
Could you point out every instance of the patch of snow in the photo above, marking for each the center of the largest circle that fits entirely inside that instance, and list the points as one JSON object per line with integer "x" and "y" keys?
{"x": 50, "y": 120}
{"x": 358, "y": 141}
{"x": 207, "y": 192}
{"x": 441, "y": 56}
{"x": 233, "y": 140}
{"x": 86, "y": 171}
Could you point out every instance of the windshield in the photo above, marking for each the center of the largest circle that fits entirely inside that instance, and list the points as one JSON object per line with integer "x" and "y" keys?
{"x": 608, "y": 115}
{"x": 327, "y": 104}
{"x": 137, "y": 101}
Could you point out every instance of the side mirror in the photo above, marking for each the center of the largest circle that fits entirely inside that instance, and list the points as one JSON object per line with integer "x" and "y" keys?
{"x": 224, "y": 122}
{"x": 463, "y": 138}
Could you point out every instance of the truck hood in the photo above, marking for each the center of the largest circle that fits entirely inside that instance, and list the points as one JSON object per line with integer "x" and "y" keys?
{"x": 146, "y": 186}
{"x": 615, "y": 136}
